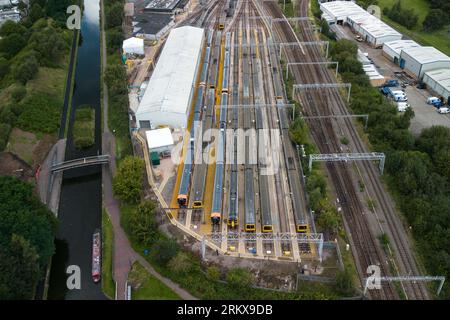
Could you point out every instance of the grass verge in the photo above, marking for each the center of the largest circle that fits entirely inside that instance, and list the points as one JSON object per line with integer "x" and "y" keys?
{"x": 147, "y": 287}
{"x": 108, "y": 284}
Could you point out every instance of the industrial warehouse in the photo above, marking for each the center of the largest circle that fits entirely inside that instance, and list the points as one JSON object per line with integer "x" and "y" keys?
{"x": 371, "y": 29}
{"x": 170, "y": 91}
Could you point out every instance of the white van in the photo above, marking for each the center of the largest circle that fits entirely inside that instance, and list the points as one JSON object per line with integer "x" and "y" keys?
{"x": 443, "y": 110}
{"x": 402, "y": 106}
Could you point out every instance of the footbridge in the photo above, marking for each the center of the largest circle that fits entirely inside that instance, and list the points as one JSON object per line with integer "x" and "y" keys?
{"x": 78, "y": 163}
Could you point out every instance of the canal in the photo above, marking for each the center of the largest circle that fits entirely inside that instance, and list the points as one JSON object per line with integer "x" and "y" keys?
{"x": 80, "y": 208}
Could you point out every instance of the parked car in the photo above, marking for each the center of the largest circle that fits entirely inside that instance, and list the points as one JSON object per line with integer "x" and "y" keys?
{"x": 359, "y": 38}
{"x": 400, "y": 98}
{"x": 431, "y": 100}
{"x": 444, "y": 110}
{"x": 391, "y": 83}
{"x": 402, "y": 106}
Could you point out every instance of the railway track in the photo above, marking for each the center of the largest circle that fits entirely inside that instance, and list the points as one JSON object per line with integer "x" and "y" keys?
{"x": 366, "y": 248}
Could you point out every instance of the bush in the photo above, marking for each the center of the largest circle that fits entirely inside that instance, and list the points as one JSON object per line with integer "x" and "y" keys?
{"x": 41, "y": 114}
{"x": 18, "y": 92}
{"x": 435, "y": 20}
{"x": 181, "y": 263}
{"x": 84, "y": 127}
{"x": 239, "y": 277}
{"x": 26, "y": 69}
{"x": 141, "y": 224}
{"x": 163, "y": 251}
{"x": 406, "y": 17}
{"x": 127, "y": 183}
{"x": 213, "y": 273}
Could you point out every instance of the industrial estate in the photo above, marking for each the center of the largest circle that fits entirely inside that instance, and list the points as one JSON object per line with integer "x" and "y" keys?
{"x": 229, "y": 149}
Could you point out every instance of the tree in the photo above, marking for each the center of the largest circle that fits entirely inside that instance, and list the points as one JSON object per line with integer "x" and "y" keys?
{"x": 114, "y": 39}
{"x": 142, "y": 224}
{"x": 329, "y": 220}
{"x": 164, "y": 250}
{"x": 27, "y": 230}
{"x": 49, "y": 45}
{"x": 127, "y": 184}
{"x": 36, "y": 13}
{"x": 26, "y": 69}
{"x": 18, "y": 282}
{"x": 4, "y": 67}
{"x": 239, "y": 277}
{"x": 114, "y": 15}
{"x": 181, "y": 263}
{"x": 10, "y": 27}
{"x": 12, "y": 44}
{"x": 435, "y": 20}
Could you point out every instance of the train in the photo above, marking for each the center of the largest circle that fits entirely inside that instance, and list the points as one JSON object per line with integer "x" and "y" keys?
{"x": 202, "y": 167}
{"x": 249, "y": 201}
{"x": 216, "y": 210}
{"x": 218, "y": 180}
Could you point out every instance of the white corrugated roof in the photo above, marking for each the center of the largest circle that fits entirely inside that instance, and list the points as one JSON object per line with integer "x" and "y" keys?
{"x": 425, "y": 55}
{"x": 159, "y": 138}
{"x": 398, "y": 45}
{"x": 373, "y": 25}
{"x": 172, "y": 80}
{"x": 341, "y": 8}
{"x": 441, "y": 76}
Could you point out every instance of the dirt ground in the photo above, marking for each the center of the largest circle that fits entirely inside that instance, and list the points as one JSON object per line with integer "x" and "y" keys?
{"x": 30, "y": 147}
{"x": 12, "y": 165}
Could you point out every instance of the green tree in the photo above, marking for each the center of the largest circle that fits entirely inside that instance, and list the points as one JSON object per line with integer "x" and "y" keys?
{"x": 164, "y": 250}
{"x": 239, "y": 277}
{"x": 36, "y": 13}
{"x": 18, "y": 282}
{"x": 4, "y": 67}
{"x": 181, "y": 263}
{"x": 127, "y": 183}
{"x": 12, "y": 44}
{"x": 48, "y": 45}
{"x": 114, "y": 15}
{"x": 329, "y": 220}
{"x": 27, "y": 230}
{"x": 11, "y": 27}
{"x": 114, "y": 39}
{"x": 142, "y": 223}
{"x": 26, "y": 69}
{"x": 435, "y": 20}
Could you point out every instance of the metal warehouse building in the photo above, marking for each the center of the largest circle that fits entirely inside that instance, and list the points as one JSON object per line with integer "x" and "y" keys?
{"x": 439, "y": 82}
{"x": 393, "y": 49}
{"x": 168, "y": 96}
{"x": 372, "y": 29}
{"x": 338, "y": 11}
{"x": 417, "y": 61}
